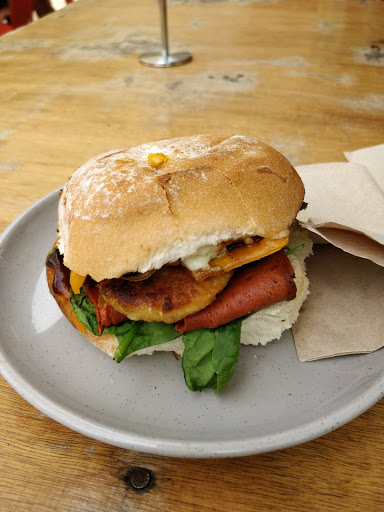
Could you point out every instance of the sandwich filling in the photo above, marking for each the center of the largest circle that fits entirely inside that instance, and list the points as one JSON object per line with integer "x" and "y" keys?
{"x": 180, "y": 293}
{"x": 174, "y": 300}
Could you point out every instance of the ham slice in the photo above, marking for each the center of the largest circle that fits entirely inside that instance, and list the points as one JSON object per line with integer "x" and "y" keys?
{"x": 106, "y": 315}
{"x": 253, "y": 287}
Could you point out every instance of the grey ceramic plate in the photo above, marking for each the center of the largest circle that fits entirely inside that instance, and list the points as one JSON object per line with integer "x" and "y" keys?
{"x": 272, "y": 402}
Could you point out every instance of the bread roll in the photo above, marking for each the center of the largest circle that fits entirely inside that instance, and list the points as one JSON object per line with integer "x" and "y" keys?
{"x": 118, "y": 214}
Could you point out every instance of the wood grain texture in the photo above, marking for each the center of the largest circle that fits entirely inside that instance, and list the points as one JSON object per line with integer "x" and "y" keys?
{"x": 306, "y": 77}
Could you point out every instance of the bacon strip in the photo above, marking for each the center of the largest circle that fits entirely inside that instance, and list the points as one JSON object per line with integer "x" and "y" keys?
{"x": 105, "y": 314}
{"x": 253, "y": 287}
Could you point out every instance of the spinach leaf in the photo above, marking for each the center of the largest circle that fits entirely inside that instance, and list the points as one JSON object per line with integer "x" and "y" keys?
{"x": 84, "y": 310}
{"x": 139, "y": 335}
{"x": 226, "y": 353}
{"x": 197, "y": 358}
{"x": 131, "y": 335}
{"x": 289, "y": 251}
{"x": 124, "y": 339}
{"x": 119, "y": 329}
{"x": 210, "y": 356}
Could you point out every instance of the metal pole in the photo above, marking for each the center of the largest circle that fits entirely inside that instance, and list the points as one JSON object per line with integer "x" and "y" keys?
{"x": 164, "y": 59}
{"x": 164, "y": 29}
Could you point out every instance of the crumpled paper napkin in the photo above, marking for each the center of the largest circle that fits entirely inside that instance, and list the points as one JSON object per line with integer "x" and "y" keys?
{"x": 344, "y": 312}
{"x": 346, "y": 202}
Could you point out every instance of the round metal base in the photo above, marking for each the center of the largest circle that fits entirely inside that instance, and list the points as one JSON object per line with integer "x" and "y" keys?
{"x": 158, "y": 60}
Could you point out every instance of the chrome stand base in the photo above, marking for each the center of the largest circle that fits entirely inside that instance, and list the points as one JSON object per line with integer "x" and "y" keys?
{"x": 159, "y": 60}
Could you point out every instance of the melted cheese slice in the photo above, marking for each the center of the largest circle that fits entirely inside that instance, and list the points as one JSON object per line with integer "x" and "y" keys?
{"x": 76, "y": 281}
{"x": 79, "y": 325}
{"x": 240, "y": 256}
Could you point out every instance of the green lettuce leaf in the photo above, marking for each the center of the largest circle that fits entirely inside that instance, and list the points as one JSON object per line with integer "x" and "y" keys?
{"x": 289, "y": 251}
{"x": 131, "y": 335}
{"x": 210, "y": 356}
{"x": 138, "y": 335}
{"x": 84, "y": 310}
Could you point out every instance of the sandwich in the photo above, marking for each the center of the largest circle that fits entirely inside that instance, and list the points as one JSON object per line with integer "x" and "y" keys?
{"x": 187, "y": 245}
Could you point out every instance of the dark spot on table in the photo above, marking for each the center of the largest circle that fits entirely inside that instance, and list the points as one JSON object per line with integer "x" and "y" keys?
{"x": 231, "y": 78}
{"x": 174, "y": 85}
{"x": 139, "y": 479}
{"x": 375, "y": 53}
{"x": 128, "y": 80}
{"x": 234, "y": 78}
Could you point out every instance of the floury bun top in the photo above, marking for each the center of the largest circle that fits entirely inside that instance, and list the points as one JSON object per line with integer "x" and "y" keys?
{"x": 136, "y": 209}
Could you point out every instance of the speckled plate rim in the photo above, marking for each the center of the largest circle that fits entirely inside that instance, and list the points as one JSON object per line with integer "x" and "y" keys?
{"x": 161, "y": 446}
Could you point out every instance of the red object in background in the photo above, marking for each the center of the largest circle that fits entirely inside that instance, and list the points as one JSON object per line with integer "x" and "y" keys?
{"x": 20, "y": 13}
{"x": 4, "y": 29}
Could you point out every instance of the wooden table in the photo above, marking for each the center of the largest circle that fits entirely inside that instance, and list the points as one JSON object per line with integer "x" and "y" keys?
{"x": 306, "y": 77}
